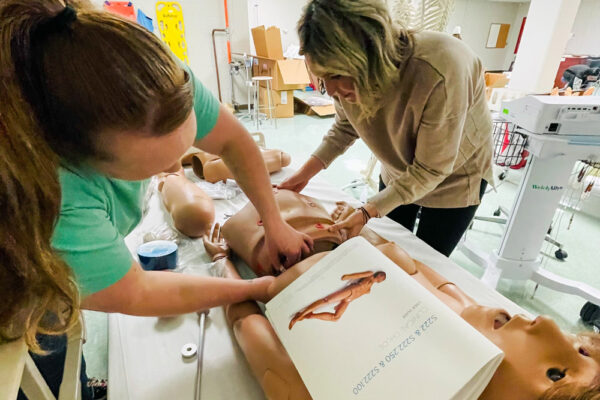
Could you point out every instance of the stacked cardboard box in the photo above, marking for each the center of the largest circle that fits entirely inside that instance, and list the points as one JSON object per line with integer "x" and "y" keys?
{"x": 492, "y": 81}
{"x": 287, "y": 74}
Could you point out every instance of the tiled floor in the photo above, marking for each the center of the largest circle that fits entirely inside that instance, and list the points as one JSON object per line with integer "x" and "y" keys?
{"x": 300, "y": 135}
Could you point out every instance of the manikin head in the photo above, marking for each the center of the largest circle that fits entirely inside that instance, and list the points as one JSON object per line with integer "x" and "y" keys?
{"x": 541, "y": 362}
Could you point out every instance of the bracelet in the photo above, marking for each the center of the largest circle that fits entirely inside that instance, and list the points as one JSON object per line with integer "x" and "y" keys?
{"x": 365, "y": 214}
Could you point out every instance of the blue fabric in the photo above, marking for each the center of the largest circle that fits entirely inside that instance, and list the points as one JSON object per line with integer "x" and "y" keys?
{"x": 145, "y": 20}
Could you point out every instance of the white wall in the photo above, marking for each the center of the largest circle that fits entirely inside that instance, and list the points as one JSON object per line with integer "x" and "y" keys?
{"x": 513, "y": 35}
{"x": 586, "y": 30}
{"x": 475, "y": 17}
{"x": 545, "y": 36}
{"x": 200, "y": 18}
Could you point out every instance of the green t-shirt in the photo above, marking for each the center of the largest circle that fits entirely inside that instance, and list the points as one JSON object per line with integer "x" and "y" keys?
{"x": 97, "y": 212}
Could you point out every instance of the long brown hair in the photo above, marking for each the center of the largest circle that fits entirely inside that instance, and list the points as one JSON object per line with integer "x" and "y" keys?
{"x": 34, "y": 281}
{"x": 87, "y": 72}
{"x": 67, "y": 75}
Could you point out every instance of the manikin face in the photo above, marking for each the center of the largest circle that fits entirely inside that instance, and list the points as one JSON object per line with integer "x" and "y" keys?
{"x": 338, "y": 86}
{"x": 537, "y": 354}
{"x": 139, "y": 155}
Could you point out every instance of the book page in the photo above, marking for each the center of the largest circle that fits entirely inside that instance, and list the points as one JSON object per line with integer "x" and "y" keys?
{"x": 377, "y": 333}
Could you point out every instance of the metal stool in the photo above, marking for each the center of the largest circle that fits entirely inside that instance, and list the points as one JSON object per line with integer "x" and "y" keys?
{"x": 247, "y": 62}
{"x": 269, "y": 107}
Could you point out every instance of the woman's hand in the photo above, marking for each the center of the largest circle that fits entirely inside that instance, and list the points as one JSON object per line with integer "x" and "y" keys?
{"x": 296, "y": 182}
{"x": 350, "y": 226}
{"x": 300, "y": 178}
{"x": 215, "y": 244}
{"x": 286, "y": 246}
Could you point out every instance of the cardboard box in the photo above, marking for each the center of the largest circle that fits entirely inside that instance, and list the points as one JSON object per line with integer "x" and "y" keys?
{"x": 267, "y": 42}
{"x": 494, "y": 80}
{"x": 313, "y": 103}
{"x": 287, "y": 74}
{"x": 322, "y": 111}
{"x": 283, "y": 101}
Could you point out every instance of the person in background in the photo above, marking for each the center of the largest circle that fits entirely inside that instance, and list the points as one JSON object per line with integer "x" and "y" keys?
{"x": 580, "y": 76}
{"x": 417, "y": 100}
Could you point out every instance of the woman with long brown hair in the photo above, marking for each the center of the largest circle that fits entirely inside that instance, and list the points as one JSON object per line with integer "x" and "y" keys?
{"x": 103, "y": 98}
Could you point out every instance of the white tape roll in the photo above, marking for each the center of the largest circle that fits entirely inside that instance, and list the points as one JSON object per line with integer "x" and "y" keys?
{"x": 189, "y": 350}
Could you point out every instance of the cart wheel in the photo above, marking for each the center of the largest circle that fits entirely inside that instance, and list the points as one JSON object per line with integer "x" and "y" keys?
{"x": 502, "y": 176}
{"x": 561, "y": 254}
{"x": 590, "y": 313}
{"x": 497, "y": 212}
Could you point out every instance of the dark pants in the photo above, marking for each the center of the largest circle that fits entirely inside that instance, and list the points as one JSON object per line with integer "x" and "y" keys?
{"x": 441, "y": 228}
{"x": 52, "y": 365}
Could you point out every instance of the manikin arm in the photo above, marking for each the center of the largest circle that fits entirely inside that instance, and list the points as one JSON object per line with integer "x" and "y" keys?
{"x": 212, "y": 168}
{"x": 192, "y": 210}
{"x": 446, "y": 291}
{"x": 266, "y": 356}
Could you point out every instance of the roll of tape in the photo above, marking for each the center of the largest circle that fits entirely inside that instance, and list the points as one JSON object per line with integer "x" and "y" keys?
{"x": 158, "y": 255}
{"x": 189, "y": 350}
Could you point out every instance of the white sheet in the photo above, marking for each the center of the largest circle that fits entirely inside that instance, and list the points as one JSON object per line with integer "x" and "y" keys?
{"x": 144, "y": 352}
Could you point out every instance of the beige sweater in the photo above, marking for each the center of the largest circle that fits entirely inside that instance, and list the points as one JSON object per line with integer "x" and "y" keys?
{"x": 433, "y": 136}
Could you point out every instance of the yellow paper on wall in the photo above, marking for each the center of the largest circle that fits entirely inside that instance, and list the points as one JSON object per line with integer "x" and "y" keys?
{"x": 169, "y": 17}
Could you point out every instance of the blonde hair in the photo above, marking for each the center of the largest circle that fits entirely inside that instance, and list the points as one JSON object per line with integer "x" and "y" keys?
{"x": 355, "y": 38}
{"x": 67, "y": 76}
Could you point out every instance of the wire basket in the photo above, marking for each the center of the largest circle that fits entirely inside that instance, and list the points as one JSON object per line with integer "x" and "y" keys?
{"x": 593, "y": 164}
{"x": 509, "y": 145}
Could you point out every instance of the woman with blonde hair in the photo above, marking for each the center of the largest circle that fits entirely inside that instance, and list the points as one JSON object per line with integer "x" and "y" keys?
{"x": 417, "y": 100}
{"x": 103, "y": 98}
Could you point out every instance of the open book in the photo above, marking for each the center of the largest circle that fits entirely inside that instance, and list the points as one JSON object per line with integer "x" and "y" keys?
{"x": 392, "y": 339}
